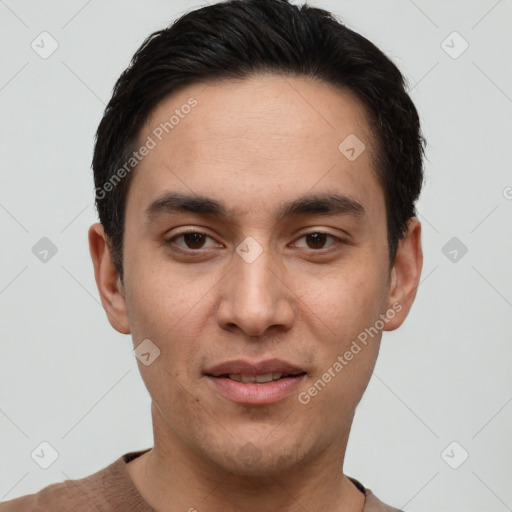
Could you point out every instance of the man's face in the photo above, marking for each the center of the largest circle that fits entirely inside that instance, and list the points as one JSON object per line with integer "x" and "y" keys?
{"x": 318, "y": 281}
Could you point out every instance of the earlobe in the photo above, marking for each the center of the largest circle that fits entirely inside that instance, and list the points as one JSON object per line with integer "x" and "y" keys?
{"x": 107, "y": 280}
{"x": 405, "y": 275}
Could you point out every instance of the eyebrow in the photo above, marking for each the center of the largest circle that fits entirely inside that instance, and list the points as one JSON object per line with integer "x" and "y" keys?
{"x": 313, "y": 204}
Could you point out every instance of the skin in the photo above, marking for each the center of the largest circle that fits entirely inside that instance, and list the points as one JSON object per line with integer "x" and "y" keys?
{"x": 254, "y": 144}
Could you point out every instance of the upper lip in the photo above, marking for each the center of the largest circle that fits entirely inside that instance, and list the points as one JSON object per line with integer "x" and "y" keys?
{"x": 242, "y": 367}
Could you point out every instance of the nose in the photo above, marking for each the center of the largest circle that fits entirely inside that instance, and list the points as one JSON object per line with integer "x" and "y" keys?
{"x": 255, "y": 297}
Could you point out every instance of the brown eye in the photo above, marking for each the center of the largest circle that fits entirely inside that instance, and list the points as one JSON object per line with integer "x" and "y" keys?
{"x": 194, "y": 240}
{"x": 316, "y": 240}
{"x": 190, "y": 241}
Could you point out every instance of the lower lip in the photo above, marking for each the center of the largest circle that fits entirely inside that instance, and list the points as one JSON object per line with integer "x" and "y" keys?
{"x": 255, "y": 394}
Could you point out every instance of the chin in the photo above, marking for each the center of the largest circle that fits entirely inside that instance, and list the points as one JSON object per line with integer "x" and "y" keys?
{"x": 259, "y": 459}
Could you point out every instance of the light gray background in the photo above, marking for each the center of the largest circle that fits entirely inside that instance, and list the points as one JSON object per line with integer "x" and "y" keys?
{"x": 66, "y": 377}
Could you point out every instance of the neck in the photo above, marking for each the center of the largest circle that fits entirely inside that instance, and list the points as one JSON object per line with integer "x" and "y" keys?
{"x": 172, "y": 477}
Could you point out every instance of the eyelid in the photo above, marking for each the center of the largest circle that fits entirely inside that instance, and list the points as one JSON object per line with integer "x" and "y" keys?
{"x": 171, "y": 241}
{"x": 337, "y": 240}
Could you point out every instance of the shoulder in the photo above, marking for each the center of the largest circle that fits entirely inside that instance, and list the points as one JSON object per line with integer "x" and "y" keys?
{"x": 372, "y": 503}
{"x": 72, "y": 495}
{"x": 54, "y": 497}
{"x": 100, "y": 491}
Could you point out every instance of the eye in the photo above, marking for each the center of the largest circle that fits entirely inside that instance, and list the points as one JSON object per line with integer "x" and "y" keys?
{"x": 193, "y": 240}
{"x": 317, "y": 239}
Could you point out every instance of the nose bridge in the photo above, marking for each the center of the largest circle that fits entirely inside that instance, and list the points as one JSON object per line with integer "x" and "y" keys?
{"x": 253, "y": 282}
{"x": 256, "y": 299}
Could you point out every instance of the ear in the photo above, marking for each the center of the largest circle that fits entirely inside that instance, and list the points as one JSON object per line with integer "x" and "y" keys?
{"x": 405, "y": 275}
{"x": 108, "y": 280}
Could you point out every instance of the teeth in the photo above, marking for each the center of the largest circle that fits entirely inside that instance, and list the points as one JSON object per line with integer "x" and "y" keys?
{"x": 268, "y": 377}
{"x": 264, "y": 378}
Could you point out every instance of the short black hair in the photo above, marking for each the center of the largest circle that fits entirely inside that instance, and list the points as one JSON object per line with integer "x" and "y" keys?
{"x": 237, "y": 38}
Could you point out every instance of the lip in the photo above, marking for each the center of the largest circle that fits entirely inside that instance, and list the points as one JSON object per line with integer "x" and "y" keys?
{"x": 255, "y": 368}
{"x": 255, "y": 393}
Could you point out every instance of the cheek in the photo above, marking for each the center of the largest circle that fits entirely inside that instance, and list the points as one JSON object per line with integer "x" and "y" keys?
{"x": 173, "y": 312}
{"x": 347, "y": 301}
{"x": 166, "y": 304}
{"x": 350, "y": 307}
{"x": 335, "y": 393}
{"x": 179, "y": 404}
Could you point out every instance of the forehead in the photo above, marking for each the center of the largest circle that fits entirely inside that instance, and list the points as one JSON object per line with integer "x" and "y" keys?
{"x": 256, "y": 140}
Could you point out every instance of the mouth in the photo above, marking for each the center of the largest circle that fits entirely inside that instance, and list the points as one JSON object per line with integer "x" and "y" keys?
{"x": 259, "y": 378}
{"x": 258, "y": 383}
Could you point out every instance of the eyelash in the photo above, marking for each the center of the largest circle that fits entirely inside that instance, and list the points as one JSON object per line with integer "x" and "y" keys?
{"x": 170, "y": 241}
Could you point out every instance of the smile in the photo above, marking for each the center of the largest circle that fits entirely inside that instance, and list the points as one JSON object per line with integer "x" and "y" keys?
{"x": 260, "y": 379}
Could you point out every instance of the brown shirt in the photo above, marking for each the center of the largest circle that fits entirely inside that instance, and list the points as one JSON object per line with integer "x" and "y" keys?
{"x": 111, "y": 489}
